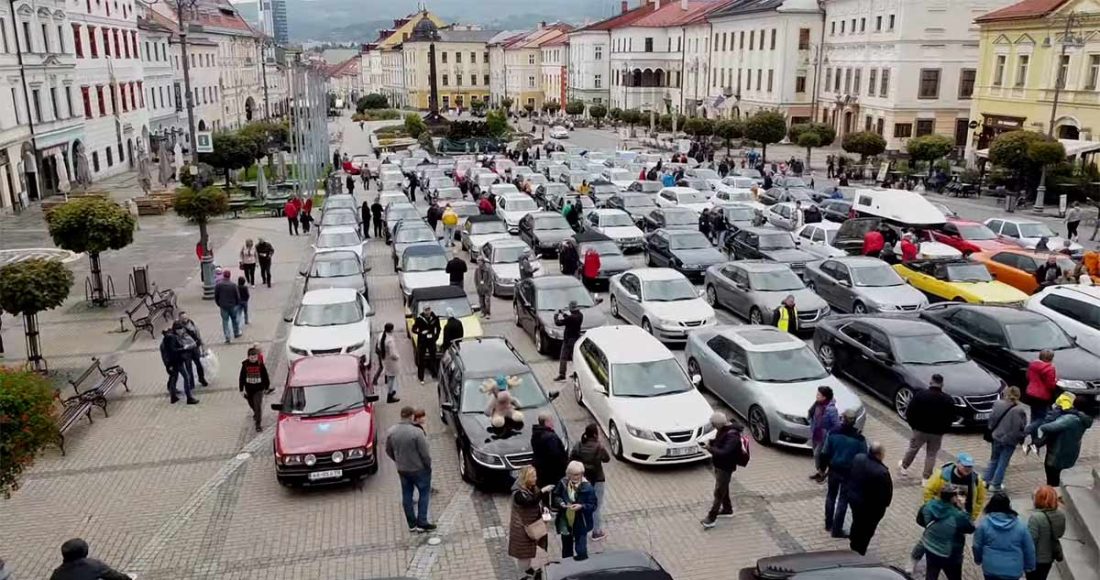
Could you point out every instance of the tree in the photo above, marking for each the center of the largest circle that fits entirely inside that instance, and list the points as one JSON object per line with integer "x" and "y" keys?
{"x": 728, "y": 130}
{"x": 529, "y": 107}
{"x": 699, "y": 127}
{"x": 1009, "y": 151}
{"x": 766, "y": 127}
{"x": 506, "y": 103}
{"x": 550, "y": 106}
{"x": 865, "y": 143}
{"x": 414, "y": 125}
{"x": 497, "y": 122}
{"x": 371, "y": 101}
{"x": 26, "y": 423}
{"x": 810, "y": 135}
{"x": 477, "y": 106}
{"x": 232, "y": 151}
{"x": 597, "y": 112}
{"x": 30, "y": 287}
{"x": 929, "y": 148}
{"x": 631, "y": 117}
{"x": 199, "y": 206}
{"x": 92, "y": 225}
{"x": 615, "y": 114}
{"x": 574, "y": 108}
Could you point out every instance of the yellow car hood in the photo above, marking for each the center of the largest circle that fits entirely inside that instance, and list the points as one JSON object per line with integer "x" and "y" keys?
{"x": 992, "y": 292}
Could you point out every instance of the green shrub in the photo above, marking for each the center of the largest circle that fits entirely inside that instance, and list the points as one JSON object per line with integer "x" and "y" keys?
{"x": 26, "y": 423}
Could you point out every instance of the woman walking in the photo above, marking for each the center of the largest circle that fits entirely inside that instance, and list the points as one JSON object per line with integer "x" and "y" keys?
{"x": 527, "y": 531}
{"x": 387, "y": 362}
{"x": 576, "y": 500}
{"x": 1062, "y": 436}
{"x": 1047, "y": 525}
{"x": 1002, "y": 544}
{"x": 1006, "y": 429}
{"x": 592, "y": 454}
{"x": 249, "y": 257}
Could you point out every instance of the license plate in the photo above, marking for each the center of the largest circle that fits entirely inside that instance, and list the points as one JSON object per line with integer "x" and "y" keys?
{"x": 981, "y": 416}
{"x": 326, "y": 474}
{"x": 682, "y": 451}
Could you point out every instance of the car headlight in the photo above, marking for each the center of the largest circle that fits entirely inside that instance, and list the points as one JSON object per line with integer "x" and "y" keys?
{"x": 299, "y": 351}
{"x": 641, "y": 433}
{"x": 711, "y": 320}
{"x": 1073, "y": 385}
{"x": 310, "y": 460}
{"x": 488, "y": 459}
{"x": 959, "y": 402}
{"x": 504, "y": 280}
{"x": 796, "y": 419}
{"x": 825, "y": 310}
{"x": 337, "y": 456}
{"x": 356, "y": 346}
{"x": 357, "y": 453}
{"x": 292, "y": 460}
{"x": 707, "y": 428}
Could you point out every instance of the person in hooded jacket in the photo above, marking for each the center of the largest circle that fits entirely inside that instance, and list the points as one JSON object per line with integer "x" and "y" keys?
{"x": 172, "y": 354}
{"x": 575, "y": 499}
{"x": 591, "y": 267}
{"x": 452, "y": 330}
{"x": 568, "y": 258}
{"x": 592, "y": 453}
{"x": 726, "y": 452}
{"x": 824, "y": 419}
{"x": 841, "y": 447}
{"x": 870, "y": 492}
{"x": 1042, "y": 389}
{"x": 944, "y": 539}
{"x": 76, "y": 565}
{"x": 1002, "y": 543}
{"x": 1006, "y": 427}
{"x": 549, "y": 454}
{"x": 252, "y": 382}
{"x": 1062, "y": 437}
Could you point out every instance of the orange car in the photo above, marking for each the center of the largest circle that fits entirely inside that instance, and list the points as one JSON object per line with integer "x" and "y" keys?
{"x": 1017, "y": 267}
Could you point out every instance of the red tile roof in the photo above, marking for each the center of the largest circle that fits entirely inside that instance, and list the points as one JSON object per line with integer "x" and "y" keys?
{"x": 673, "y": 14}
{"x": 349, "y": 67}
{"x": 620, "y": 20}
{"x": 1022, "y": 10}
{"x": 220, "y": 14}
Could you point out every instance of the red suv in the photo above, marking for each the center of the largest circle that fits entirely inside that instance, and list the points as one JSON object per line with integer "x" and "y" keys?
{"x": 326, "y": 431}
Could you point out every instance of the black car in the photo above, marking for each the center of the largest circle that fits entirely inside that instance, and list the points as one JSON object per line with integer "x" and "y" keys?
{"x": 336, "y": 269}
{"x": 671, "y": 218}
{"x": 1005, "y": 340}
{"x": 647, "y": 187}
{"x": 609, "y": 565}
{"x": 544, "y": 231}
{"x": 836, "y": 210}
{"x": 779, "y": 194}
{"x": 612, "y": 260}
{"x": 894, "y": 356}
{"x": 546, "y": 193}
{"x": 537, "y": 300}
{"x": 689, "y": 253}
{"x": 489, "y": 455}
{"x": 828, "y": 565}
{"x": 637, "y": 205}
{"x": 768, "y": 244}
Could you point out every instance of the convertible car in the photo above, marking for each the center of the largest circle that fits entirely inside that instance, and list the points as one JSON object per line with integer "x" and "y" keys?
{"x": 958, "y": 280}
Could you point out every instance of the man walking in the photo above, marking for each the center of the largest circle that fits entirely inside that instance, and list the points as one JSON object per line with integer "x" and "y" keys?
{"x": 572, "y": 320}
{"x": 930, "y": 414}
{"x": 870, "y": 491}
{"x": 171, "y": 354}
{"x": 841, "y": 448}
{"x": 1073, "y": 220}
{"x": 228, "y": 299}
{"x": 456, "y": 269}
{"x": 76, "y": 565}
{"x": 407, "y": 446}
{"x": 483, "y": 281}
{"x": 252, "y": 381}
{"x": 549, "y": 456}
{"x": 1042, "y": 389}
{"x": 376, "y": 210}
{"x": 450, "y": 222}
{"x": 264, "y": 252}
{"x": 426, "y": 329}
{"x": 291, "y": 211}
{"x": 194, "y": 354}
{"x": 726, "y": 453}
{"x": 364, "y": 213}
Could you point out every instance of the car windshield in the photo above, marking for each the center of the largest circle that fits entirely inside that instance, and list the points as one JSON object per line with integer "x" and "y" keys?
{"x": 614, "y": 220}
{"x": 785, "y": 366}
{"x": 554, "y": 299}
{"x": 876, "y": 276}
{"x": 650, "y": 186}
{"x": 777, "y": 241}
{"x": 792, "y": 182}
{"x": 927, "y": 349}
{"x": 670, "y": 290}
{"x": 401, "y": 213}
{"x": 520, "y": 204}
{"x": 460, "y": 306}
{"x": 336, "y": 267}
{"x": 799, "y": 195}
{"x": 551, "y": 222}
{"x": 739, "y": 214}
{"x": 509, "y": 254}
{"x": 449, "y": 193}
{"x": 976, "y": 232}
{"x": 620, "y": 175}
{"x": 554, "y": 189}
{"x": 775, "y": 281}
{"x": 323, "y": 399}
{"x": 688, "y": 241}
{"x": 649, "y": 379}
{"x": 739, "y": 182}
{"x": 424, "y": 263}
{"x": 608, "y": 248}
{"x": 707, "y": 174}
{"x": 679, "y": 218}
{"x": 700, "y": 184}
{"x": 329, "y": 314}
{"x": 526, "y": 394}
{"x": 968, "y": 273}
{"x": 1036, "y": 230}
{"x": 338, "y": 240}
{"x": 535, "y": 179}
{"x": 488, "y": 227}
{"x": 338, "y": 218}
{"x": 635, "y": 201}
{"x": 409, "y": 235}
{"x": 749, "y": 173}
{"x": 1036, "y": 335}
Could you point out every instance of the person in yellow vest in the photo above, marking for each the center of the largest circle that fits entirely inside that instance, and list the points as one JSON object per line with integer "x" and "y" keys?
{"x": 450, "y": 222}
{"x": 786, "y": 316}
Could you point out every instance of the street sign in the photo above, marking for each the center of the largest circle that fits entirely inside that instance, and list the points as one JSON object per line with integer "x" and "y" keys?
{"x": 973, "y": 125}
{"x": 203, "y": 142}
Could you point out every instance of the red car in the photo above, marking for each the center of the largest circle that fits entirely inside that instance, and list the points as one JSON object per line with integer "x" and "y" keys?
{"x": 968, "y": 237}
{"x": 326, "y": 431}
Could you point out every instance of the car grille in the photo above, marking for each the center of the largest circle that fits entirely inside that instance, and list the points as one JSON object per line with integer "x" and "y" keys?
{"x": 678, "y": 436}
{"x": 517, "y": 460}
{"x": 808, "y": 315}
{"x": 1093, "y": 384}
{"x": 321, "y": 351}
{"x": 910, "y": 307}
{"x": 693, "y": 323}
{"x": 982, "y": 403}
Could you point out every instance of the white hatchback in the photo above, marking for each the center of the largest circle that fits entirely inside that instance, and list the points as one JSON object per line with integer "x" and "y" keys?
{"x": 330, "y": 321}
{"x": 1075, "y": 308}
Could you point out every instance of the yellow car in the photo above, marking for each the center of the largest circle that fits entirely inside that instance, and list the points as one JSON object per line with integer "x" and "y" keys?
{"x": 440, "y": 298}
{"x": 958, "y": 281}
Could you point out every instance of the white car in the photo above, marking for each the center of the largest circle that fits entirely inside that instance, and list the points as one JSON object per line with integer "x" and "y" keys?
{"x": 387, "y": 197}
{"x": 660, "y": 300}
{"x": 512, "y": 207}
{"x": 330, "y": 321}
{"x": 784, "y": 216}
{"x": 559, "y": 132}
{"x": 1075, "y": 308}
{"x": 617, "y": 225}
{"x": 1027, "y": 233}
{"x": 687, "y": 197}
{"x": 740, "y": 188}
{"x": 341, "y": 238}
{"x": 640, "y": 396}
{"x": 817, "y": 239}
{"x": 622, "y": 178}
{"x": 503, "y": 189}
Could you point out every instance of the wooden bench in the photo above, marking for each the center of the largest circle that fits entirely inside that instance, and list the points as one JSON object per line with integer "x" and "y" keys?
{"x": 141, "y": 317}
{"x": 72, "y": 409}
{"x": 96, "y": 382}
{"x": 162, "y": 302}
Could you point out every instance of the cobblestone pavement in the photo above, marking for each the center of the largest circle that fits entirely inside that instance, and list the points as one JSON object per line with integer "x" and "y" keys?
{"x": 181, "y": 492}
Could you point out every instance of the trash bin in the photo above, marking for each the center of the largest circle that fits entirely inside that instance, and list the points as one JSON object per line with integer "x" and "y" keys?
{"x": 140, "y": 278}
{"x": 1011, "y": 199}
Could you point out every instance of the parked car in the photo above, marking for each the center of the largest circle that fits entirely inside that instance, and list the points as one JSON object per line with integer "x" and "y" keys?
{"x": 487, "y": 455}
{"x": 537, "y": 300}
{"x": 767, "y": 376}
{"x": 607, "y": 565}
{"x": 1027, "y": 233}
{"x": 660, "y": 300}
{"x": 1075, "y": 308}
{"x": 340, "y": 238}
{"x": 687, "y": 252}
{"x": 636, "y": 205}
{"x": 753, "y": 289}
{"x": 439, "y": 299}
{"x": 768, "y": 244}
{"x": 894, "y": 358}
{"x": 612, "y": 260}
{"x": 479, "y": 229}
{"x": 544, "y": 231}
{"x": 617, "y": 225}
{"x": 326, "y": 430}
{"x": 559, "y": 132}
{"x": 640, "y": 396}
{"x": 738, "y": 214}
{"x": 546, "y": 195}
{"x": 503, "y": 257}
{"x": 396, "y": 213}
{"x": 862, "y": 284}
{"x": 958, "y": 280}
{"x": 1017, "y": 267}
{"x": 826, "y": 565}
{"x": 512, "y": 207}
{"x": 331, "y": 321}
{"x": 781, "y": 194}
{"x": 336, "y": 269}
{"x": 650, "y": 188}
{"x": 817, "y": 239}
{"x": 684, "y": 197}
{"x": 671, "y": 218}
{"x": 836, "y": 210}
{"x": 969, "y": 237}
{"x": 340, "y": 201}
{"x": 422, "y": 266}
{"x": 409, "y": 233}
{"x": 783, "y": 216}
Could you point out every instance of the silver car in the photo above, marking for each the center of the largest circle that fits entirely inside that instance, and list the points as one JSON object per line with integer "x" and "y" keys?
{"x": 767, "y": 376}
{"x": 861, "y": 284}
{"x": 754, "y": 289}
{"x": 503, "y": 257}
{"x": 660, "y": 300}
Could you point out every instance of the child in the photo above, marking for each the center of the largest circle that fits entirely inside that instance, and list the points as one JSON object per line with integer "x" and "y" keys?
{"x": 242, "y": 289}
{"x": 252, "y": 383}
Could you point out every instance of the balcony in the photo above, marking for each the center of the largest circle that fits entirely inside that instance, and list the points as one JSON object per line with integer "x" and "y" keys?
{"x": 644, "y": 78}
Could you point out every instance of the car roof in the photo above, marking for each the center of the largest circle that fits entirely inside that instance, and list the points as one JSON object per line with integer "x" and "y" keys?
{"x": 959, "y": 222}
{"x": 1016, "y": 221}
{"x": 488, "y": 356}
{"x": 825, "y": 225}
{"x": 681, "y": 233}
{"x": 436, "y": 293}
{"x": 588, "y": 236}
{"x": 899, "y": 205}
{"x": 679, "y": 189}
{"x": 507, "y": 243}
{"x": 554, "y": 281}
{"x": 857, "y": 261}
{"x": 1005, "y": 314}
{"x": 329, "y": 296}
{"x": 1088, "y": 292}
{"x": 761, "y": 338}
{"x": 475, "y": 219}
{"x": 656, "y": 274}
{"x": 760, "y": 231}
{"x": 628, "y": 344}
{"x": 761, "y": 265}
{"x": 332, "y": 255}
{"x": 901, "y": 325}
{"x": 424, "y": 249}
{"x": 324, "y": 370}
{"x": 675, "y": 210}
{"x": 537, "y": 214}
{"x": 340, "y": 230}
{"x": 608, "y": 211}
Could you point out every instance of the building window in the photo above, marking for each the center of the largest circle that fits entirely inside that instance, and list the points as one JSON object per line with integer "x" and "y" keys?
{"x": 903, "y": 130}
{"x": 445, "y": 79}
{"x": 531, "y": 59}
{"x": 752, "y": 39}
{"x": 458, "y": 58}
{"x": 966, "y": 82}
{"x": 93, "y": 48}
{"x": 761, "y": 40}
{"x": 473, "y": 58}
{"x": 28, "y": 46}
{"x": 999, "y": 71}
{"x": 842, "y": 24}
{"x": 772, "y": 43}
{"x": 110, "y": 158}
{"x": 872, "y": 78}
{"x": 473, "y": 80}
{"x": 458, "y": 80}
{"x": 771, "y": 75}
{"x": 86, "y": 95}
{"x": 803, "y": 39}
{"x": 599, "y": 53}
{"x": 1021, "y": 69}
{"x": 800, "y": 84}
{"x": 828, "y": 78}
{"x": 78, "y": 46}
{"x": 95, "y": 161}
{"x": 878, "y": 24}
{"x": 759, "y": 76}
{"x": 1094, "y": 71}
{"x": 485, "y": 57}
{"x": 891, "y": 26}
{"x": 853, "y": 26}
{"x": 486, "y": 79}
{"x": 54, "y": 103}
{"x": 598, "y": 81}
{"x": 443, "y": 57}
{"x": 867, "y": 123}
{"x": 862, "y": 24}
{"x": 106, "y": 42}
{"x": 832, "y": 28}
{"x": 856, "y": 84}
{"x": 847, "y": 81}
{"x": 836, "y": 81}
{"x": 36, "y": 102}
{"x": 929, "y": 83}
{"x": 925, "y": 127}
{"x": 884, "y": 88}
{"x": 102, "y": 102}
{"x": 741, "y": 42}
{"x": 1063, "y": 70}
{"x": 649, "y": 44}
{"x": 531, "y": 81}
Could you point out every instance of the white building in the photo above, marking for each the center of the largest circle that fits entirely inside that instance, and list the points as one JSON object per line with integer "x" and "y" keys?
{"x": 161, "y": 76}
{"x": 589, "y": 68}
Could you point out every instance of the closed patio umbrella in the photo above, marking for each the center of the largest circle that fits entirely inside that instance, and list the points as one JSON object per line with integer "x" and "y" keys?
{"x": 164, "y": 169}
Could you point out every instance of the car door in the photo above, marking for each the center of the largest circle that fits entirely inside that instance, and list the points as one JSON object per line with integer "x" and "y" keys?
{"x": 854, "y": 355}
{"x": 658, "y": 249}
{"x": 740, "y": 287}
{"x": 988, "y": 343}
{"x": 1010, "y": 232}
{"x": 631, "y": 306}
{"x": 722, "y": 284}
{"x": 842, "y": 293}
{"x": 825, "y": 285}
{"x": 713, "y": 363}
{"x": 740, "y": 396}
{"x": 995, "y": 225}
{"x": 594, "y": 380}
{"x": 593, "y": 222}
{"x": 525, "y": 306}
{"x": 881, "y": 374}
{"x": 1079, "y": 318}
{"x": 447, "y": 392}
{"x": 963, "y": 325}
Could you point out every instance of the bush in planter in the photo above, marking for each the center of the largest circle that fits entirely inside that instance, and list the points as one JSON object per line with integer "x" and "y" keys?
{"x": 414, "y": 125}
{"x": 26, "y": 423}
{"x": 30, "y": 287}
{"x": 371, "y": 101}
{"x": 92, "y": 225}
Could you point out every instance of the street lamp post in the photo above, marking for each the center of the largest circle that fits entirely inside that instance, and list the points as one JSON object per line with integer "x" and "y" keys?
{"x": 1068, "y": 39}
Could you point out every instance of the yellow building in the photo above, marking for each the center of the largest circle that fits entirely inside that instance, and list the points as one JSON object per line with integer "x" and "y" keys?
{"x": 389, "y": 59}
{"x": 1024, "y": 47}
{"x": 461, "y": 61}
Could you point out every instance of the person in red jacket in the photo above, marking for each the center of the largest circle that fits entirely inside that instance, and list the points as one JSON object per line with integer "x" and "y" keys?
{"x": 1042, "y": 390}
{"x": 908, "y": 248}
{"x": 873, "y": 242}
{"x": 591, "y": 267}
{"x": 485, "y": 206}
{"x": 291, "y": 211}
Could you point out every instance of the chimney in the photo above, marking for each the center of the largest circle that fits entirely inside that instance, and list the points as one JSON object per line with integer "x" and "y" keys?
{"x": 625, "y": 7}
{"x": 542, "y": 25}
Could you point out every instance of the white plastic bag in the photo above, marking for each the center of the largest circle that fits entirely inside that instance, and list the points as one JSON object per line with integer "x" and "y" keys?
{"x": 209, "y": 362}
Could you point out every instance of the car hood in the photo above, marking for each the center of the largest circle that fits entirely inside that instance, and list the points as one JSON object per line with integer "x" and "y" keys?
{"x": 696, "y": 207}
{"x": 477, "y": 428}
{"x": 552, "y": 237}
{"x": 295, "y": 435}
{"x": 412, "y": 280}
{"x": 328, "y": 337}
{"x": 992, "y": 292}
{"x": 959, "y": 379}
{"x": 680, "y": 310}
{"x": 804, "y": 299}
{"x": 796, "y": 398}
{"x": 700, "y": 256}
{"x": 593, "y": 318}
{"x": 937, "y": 250}
{"x": 1055, "y": 243}
{"x": 511, "y": 271}
{"x": 788, "y": 256}
{"x": 622, "y": 232}
{"x": 621, "y": 183}
{"x": 823, "y": 251}
{"x": 675, "y": 412}
{"x": 478, "y": 240}
{"x": 1072, "y": 363}
{"x": 639, "y": 211}
{"x": 614, "y": 263}
{"x": 901, "y": 295}
{"x": 354, "y": 281}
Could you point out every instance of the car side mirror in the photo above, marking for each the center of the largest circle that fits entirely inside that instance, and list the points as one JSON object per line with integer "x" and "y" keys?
{"x": 276, "y": 406}
{"x": 371, "y": 398}
{"x": 884, "y": 357}
{"x": 288, "y": 319}
{"x": 600, "y": 389}
{"x": 737, "y": 371}
{"x": 553, "y": 395}
{"x": 966, "y": 347}
{"x": 447, "y": 406}
{"x": 632, "y": 296}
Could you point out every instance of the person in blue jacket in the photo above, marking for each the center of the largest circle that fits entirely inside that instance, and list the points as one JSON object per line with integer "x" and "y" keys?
{"x": 1002, "y": 543}
{"x": 841, "y": 447}
{"x": 575, "y": 499}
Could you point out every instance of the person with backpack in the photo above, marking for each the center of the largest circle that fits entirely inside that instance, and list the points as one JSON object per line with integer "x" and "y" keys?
{"x": 728, "y": 451}
{"x": 841, "y": 448}
{"x": 1002, "y": 544}
{"x": 966, "y": 485}
{"x": 1006, "y": 430}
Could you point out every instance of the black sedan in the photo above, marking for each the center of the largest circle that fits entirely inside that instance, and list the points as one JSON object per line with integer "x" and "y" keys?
{"x": 780, "y": 194}
{"x": 836, "y": 210}
{"x": 609, "y": 565}
{"x": 336, "y": 269}
{"x": 537, "y": 300}
{"x": 671, "y": 218}
{"x": 828, "y": 565}
{"x": 544, "y": 231}
{"x": 687, "y": 252}
{"x": 637, "y": 205}
{"x": 893, "y": 357}
{"x": 768, "y": 244}
{"x": 1005, "y": 340}
{"x": 488, "y": 455}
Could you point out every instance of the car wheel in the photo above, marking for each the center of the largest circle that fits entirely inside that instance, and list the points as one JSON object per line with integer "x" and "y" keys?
{"x": 859, "y": 308}
{"x": 540, "y": 341}
{"x": 827, "y": 355}
{"x": 711, "y": 296}
{"x": 616, "y": 441}
{"x": 439, "y": 397}
{"x": 755, "y": 317}
{"x": 493, "y": 288}
{"x": 515, "y": 311}
{"x": 758, "y": 425}
{"x": 577, "y": 390}
{"x": 646, "y": 326}
{"x": 465, "y": 467}
{"x": 902, "y": 397}
{"x": 693, "y": 369}
{"x": 614, "y": 307}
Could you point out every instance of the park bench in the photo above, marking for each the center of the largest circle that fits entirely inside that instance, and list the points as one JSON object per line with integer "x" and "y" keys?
{"x": 96, "y": 382}
{"x": 72, "y": 409}
{"x": 162, "y": 302}
{"x": 140, "y": 317}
